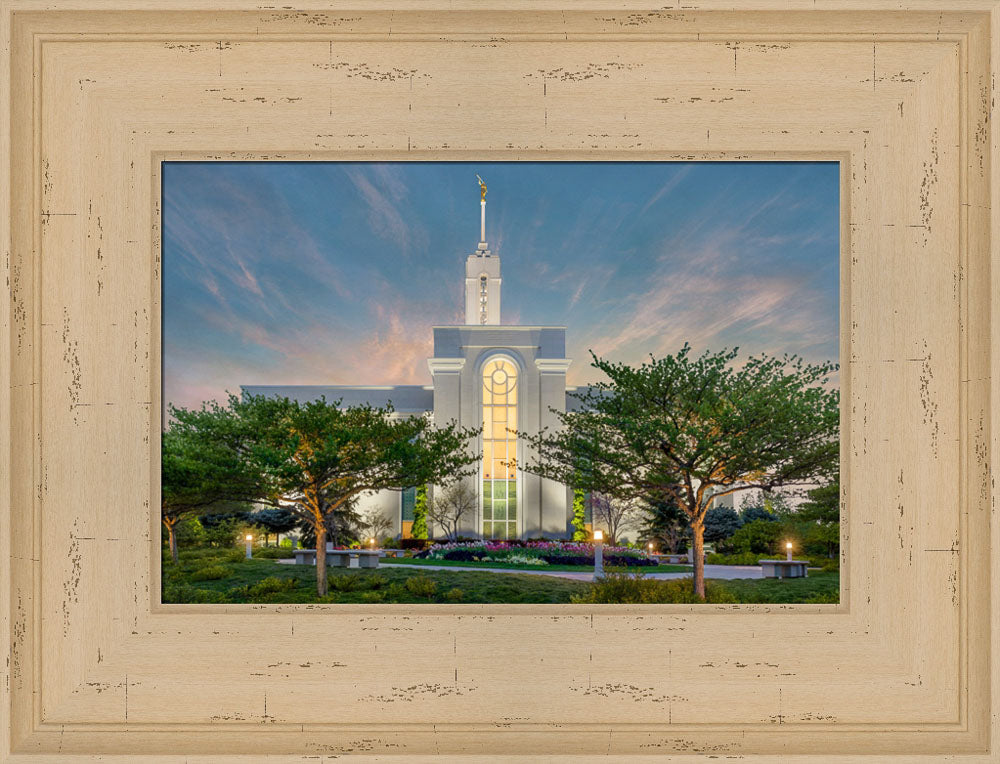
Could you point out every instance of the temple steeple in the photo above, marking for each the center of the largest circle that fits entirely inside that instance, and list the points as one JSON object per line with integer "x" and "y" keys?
{"x": 482, "y": 275}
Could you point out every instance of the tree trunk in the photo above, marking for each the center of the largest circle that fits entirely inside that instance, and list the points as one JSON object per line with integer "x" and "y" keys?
{"x": 321, "y": 559}
{"x": 698, "y": 557}
{"x": 172, "y": 535}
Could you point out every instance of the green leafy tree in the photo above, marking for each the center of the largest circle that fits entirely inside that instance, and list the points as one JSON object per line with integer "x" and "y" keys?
{"x": 315, "y": 459}
{"x": 579, "y": 515}
{"x": 698, "y": 421}
{"x": 201, "y": 469}
{"x": 665, "y": 525}
{"x": 276, "y": 521}
{"x": 821, "y": 511}
{"x": 758, "y": 536}
{"x": 419, "y": 528}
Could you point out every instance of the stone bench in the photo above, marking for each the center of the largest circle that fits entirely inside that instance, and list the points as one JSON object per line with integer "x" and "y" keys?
{"x": 340, "y": 558}
{"x": 783, "y": 568}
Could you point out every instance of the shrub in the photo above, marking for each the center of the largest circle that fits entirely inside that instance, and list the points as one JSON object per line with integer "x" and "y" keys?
{"x": 184, "y": 593}
{"x": 395, "y": 592}
{"x": 372, "y": 596}
{"x": 346, "y": 583}
{"x": 454, "y": 595}
{"x": 610, "y": 560}
{"x": 824, "y": 598}
{"x": 270, "y": 585}
{"x": 211, "y": 573}
{"x": 633, "y": 588}
{"x": 273, "y": 553}
{"x": 377, "y": 581}
{"x": 421, "y": 586}
{"x": 756, "y": 536}
{"x": 524, "y": 559}
{"x": 234, "y": 555}
{"x": 461, "y": 555}
{"x": 741, "y": 558}
{"x": 413, "y": 543}
{"x": 419, "y": 527}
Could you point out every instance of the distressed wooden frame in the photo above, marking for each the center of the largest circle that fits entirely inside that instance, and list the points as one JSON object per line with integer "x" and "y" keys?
{"x": 900, "y": 92}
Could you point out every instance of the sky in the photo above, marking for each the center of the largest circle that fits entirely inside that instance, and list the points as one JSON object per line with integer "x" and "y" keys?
{"x": 333, "y": 273}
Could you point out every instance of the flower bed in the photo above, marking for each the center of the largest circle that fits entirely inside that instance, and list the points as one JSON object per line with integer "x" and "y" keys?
{"x": 535, "y": 553}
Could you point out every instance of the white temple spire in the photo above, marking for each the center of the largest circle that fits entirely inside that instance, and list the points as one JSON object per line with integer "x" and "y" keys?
{"x": 482, "y": 275}
{"x": 482, "y": 212}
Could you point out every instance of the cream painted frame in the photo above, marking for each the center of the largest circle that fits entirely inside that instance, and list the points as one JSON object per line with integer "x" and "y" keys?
{"x": 901, "y": 92}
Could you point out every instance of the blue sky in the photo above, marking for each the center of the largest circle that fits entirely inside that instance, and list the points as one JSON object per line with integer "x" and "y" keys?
{"x": 334, "y": 273}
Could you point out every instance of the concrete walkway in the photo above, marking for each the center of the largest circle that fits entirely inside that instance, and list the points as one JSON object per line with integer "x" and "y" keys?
{"x": 726, "y": 572}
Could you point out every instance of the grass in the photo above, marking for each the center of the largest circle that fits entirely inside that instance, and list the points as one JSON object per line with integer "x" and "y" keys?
{"x": 226, "y": 576}
{"x": 521, "y": 566}
{"x": 387, "y": 584}
{"x": 817, "y": 587}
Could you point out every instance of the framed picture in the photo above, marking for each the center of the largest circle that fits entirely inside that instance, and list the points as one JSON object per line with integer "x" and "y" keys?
{"x": 105, "y": 106}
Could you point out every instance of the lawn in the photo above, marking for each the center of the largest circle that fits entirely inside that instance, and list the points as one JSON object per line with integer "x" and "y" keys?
{"x": 521, "y": 566}
{"x": 225, "y": 576}
{"x": 267, "y": 581}
{"x": 817, "y": 587}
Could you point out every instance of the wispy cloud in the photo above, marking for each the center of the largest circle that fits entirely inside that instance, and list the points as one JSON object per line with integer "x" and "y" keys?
{"x": 334, "y": 273}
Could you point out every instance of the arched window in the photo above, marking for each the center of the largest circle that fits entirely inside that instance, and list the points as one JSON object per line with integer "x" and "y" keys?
{"x": 499, "y": 449}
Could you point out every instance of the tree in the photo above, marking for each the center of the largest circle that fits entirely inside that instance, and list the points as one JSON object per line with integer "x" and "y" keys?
{"x": 617, "y": 515}
{"x": 701, "y": 422}
{"x": 579, "y": 515}
{"x": 821, "y": 511}
{"x": 276, "y": 521}
{"x": 721, "y": 523}
{"x": 450, "y": 504}
{"x": 418, "y": 529}
{"x": 375, "y": 523}
{"x": 758, "y": 536}
{"x": 315, "y": 459}
{"x": 751, "y": 513}
{"x": 201, "y": 469}
{"x": 665, "y": 522}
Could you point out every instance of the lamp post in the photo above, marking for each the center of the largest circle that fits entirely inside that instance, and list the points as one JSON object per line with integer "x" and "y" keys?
{"x": 788, "y": 551}
{"x": 650, "y": 548}
{"x": 249, "y": 547}
{"x": 372, "y": 542}
{"x": 598, "y": 554}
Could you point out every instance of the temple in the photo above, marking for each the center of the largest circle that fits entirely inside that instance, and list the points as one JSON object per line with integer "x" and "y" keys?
{"x": 485, "y": 374}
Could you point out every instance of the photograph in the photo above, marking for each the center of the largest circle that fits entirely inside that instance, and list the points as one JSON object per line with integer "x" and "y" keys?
{"x": 500, "y": 382}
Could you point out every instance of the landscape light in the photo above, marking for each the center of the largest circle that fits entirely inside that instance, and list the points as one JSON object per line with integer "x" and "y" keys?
{"x": 249, "y": 537}
{"x": 249, "y": 546}
{"x": 598, "y": 554}
{"x": 788, "y": 547}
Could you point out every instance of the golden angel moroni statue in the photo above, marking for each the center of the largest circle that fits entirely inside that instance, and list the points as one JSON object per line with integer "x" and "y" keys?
{"x": 482, "y": 188}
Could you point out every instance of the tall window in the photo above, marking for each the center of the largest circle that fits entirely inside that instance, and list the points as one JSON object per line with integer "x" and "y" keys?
{"x": 499, "y": 449}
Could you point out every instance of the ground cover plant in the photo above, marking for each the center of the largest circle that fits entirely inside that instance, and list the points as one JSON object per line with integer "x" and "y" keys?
{"x": 539, "y": 553}
{"x": 224, "y": 576}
